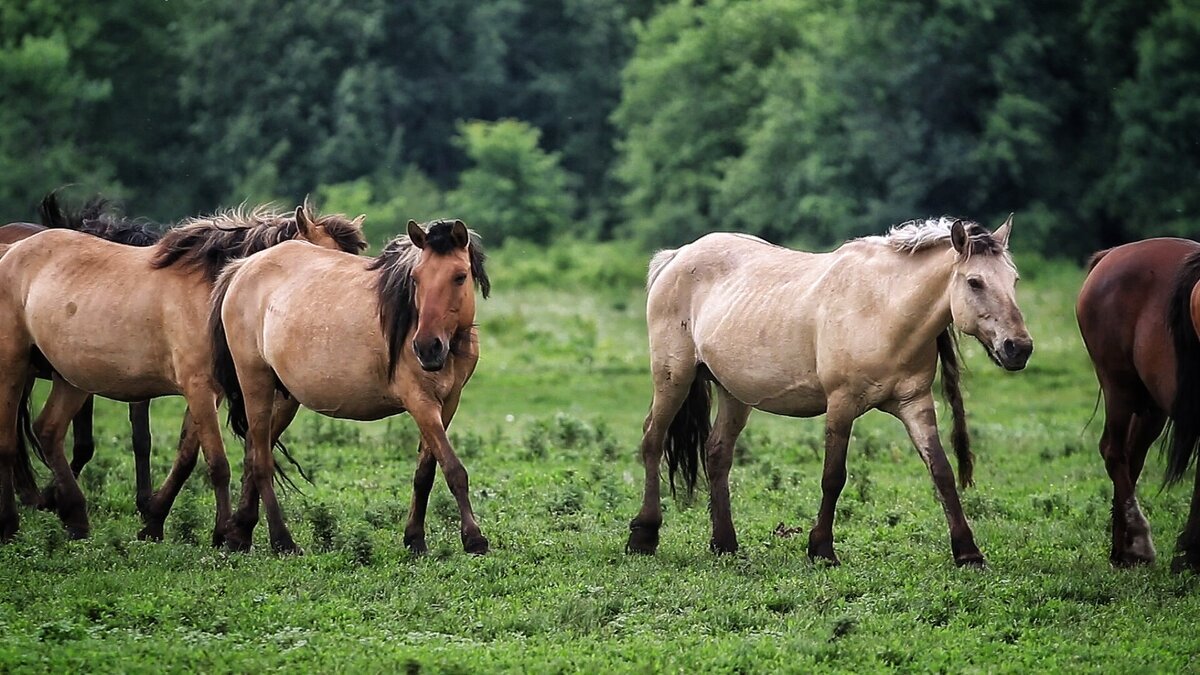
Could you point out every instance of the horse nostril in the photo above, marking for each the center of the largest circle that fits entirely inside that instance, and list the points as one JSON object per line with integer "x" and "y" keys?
{"x": 1010, "y": 347}
{"x": 436, "y": 346}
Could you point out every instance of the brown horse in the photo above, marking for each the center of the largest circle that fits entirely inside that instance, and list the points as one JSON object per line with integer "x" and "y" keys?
{"x": 801, "y": 334}
{"x": 128, "y": 323}
{"x": 1139, "y": 313}
{"x": 353, "y": 341}
{"x": 95, "y": 219}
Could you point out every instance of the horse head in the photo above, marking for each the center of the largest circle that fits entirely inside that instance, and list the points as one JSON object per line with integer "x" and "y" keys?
{"x": 983, "y": 300}
{"x": 443, "y": 279}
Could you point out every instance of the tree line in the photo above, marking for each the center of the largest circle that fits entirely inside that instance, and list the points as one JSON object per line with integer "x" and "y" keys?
{"x": 805, "y": 121}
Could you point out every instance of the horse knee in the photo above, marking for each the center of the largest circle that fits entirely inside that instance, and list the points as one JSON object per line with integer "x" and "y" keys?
{"x": 456, "y": 478}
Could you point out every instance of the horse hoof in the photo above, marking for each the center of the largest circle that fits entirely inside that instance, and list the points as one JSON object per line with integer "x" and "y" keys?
{"x": 975, "y": 560}
{"x": 77, "y": 532}
{"x": 237, "y": 543}
{"x": 218, "y": 538}
{"x": 416, "y": 544}
{"x": 723, "y": 547}
{"x": 822, "y": 551}
{"x": 1128, "y": 559}
{"x": 1185, "y": 562}
{"x": 643, "y": 539}
{"x": 286, "y": 547}
{"x": 475, "y": 545}
{"x": 151, "y": 532}
{"x": 8, "y": 529}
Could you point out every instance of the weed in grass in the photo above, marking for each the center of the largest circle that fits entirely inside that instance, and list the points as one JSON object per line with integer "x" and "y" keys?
{"x": 324, "y": 526}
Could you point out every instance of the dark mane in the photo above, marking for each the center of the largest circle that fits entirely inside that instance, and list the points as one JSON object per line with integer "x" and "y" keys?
{"x": 395, "y": 287}
{"x": 97, "y": 218}
{"x": 209, "y": 242}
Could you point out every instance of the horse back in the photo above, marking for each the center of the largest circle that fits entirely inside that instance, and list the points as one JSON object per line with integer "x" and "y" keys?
{"x": 1122, "y": 310}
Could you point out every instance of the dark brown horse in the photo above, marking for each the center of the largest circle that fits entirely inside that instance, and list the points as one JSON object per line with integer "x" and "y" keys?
{"x": 1139, "y": 313}
{"x": 94, "y": 218}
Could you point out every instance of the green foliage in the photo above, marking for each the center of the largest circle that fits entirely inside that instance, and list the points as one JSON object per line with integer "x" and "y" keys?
{"x": 513, "y": 188}
{"x": 389, "y": 203}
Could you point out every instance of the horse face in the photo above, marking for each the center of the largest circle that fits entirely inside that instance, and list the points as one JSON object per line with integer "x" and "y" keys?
{"x": 983, "y": 301}
{"x": 444, "y": 296}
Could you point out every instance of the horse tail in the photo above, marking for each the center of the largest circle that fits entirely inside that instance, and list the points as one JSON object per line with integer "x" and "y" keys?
{"x": 688, "y": 434}
{"x": 224, "y": 371}
{"x": 23, "y": 476}
{"x": 657, "y": 263}
{"x": 960, "y": 436}
{"x": 1096, "y": 258}
{"x": 1184, "y": 430}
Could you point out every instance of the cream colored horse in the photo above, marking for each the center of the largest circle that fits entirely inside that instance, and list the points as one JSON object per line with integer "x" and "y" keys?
{"x": 354, "y": 340}
{"x": 131, "y": 324}
{"x": 801, "y": 334}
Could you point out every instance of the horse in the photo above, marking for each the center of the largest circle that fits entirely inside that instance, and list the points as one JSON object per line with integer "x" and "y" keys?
{"x": 352, "y": 341}
{"x": 130, "y": 324}
{"x": 96, "y": 219}
{"x": 1139, "y": 315}
{"x": 800, "y": 334}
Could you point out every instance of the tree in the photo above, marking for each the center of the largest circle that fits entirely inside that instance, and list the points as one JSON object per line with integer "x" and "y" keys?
{"x": 514, "y": 189}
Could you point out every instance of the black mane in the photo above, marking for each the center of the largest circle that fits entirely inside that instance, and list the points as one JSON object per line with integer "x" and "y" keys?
{"x": 210, "y": 242}
{"x": 97, "y": 218}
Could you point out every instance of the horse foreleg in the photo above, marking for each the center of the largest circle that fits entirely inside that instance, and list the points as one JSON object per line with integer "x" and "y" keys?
{"x": 839, "y": 420}
{"x": 25, "y": 483}
{"x": 139, "y": 424}
{"x": 202, "y": 404}
{"x": 414, "y": 529}
{"x": 51, "y": 429}
{"x": 429, "y": 419}
{"x": 155, "y": 507}
{"x": 10, "y": 401}
{"x": 731, "y": 419}
{"x": 920, "y": 420}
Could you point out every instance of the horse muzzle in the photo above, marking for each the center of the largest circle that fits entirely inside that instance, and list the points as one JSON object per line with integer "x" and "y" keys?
{"x": 1013, "y": 353}
{"x": 431, "y": 353}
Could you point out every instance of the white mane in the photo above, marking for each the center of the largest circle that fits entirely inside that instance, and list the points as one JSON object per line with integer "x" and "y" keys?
{"x": 918, "y": 235}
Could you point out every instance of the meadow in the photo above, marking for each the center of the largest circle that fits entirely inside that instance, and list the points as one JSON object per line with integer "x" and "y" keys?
{"x": 548, "y": 429}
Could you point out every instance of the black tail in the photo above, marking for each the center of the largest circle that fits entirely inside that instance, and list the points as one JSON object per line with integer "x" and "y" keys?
{"x": 226, "y": 376}
{"x": 23, "y": 474}
{"x": 53, "y": 215}
{"x": 960, "y": 437}
{"x": 688, "y": 434}
{"x": 1184, "y": 430}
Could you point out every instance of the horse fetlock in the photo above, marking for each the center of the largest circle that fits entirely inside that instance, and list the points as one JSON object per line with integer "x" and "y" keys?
{"x": 285, "y": 546}
{"x": 9, "y": 525}
{"x": 723, "y": 545}
{"x": 966, "y": 553}
{"x": 47, "y": 500}
{"x": 151, "y": 531}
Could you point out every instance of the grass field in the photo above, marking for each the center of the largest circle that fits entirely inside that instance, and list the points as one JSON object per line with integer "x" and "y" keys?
{"x": 548, "y": 430}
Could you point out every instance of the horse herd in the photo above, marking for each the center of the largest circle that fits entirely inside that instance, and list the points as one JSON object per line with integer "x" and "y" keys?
{"x": 274, "y": 310}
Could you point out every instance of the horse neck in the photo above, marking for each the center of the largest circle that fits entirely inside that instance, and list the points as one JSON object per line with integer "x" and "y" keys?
{"x": 919, "y": 303}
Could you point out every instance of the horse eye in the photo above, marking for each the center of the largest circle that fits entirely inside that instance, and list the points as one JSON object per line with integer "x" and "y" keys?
{"x": 460, "y": 279}
{"x": 975, "y": 283}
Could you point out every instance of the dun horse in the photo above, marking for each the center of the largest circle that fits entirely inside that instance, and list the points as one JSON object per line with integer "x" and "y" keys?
{"x": 95, "y": 219}
{"x": 128, "y": 323}
{"x": 351, "y": 340}
{"x": 801, "y": 334}
{"x": 1139, "y": 314}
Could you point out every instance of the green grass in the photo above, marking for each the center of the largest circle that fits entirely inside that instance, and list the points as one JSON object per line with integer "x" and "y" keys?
{"x": 548, "y": 429}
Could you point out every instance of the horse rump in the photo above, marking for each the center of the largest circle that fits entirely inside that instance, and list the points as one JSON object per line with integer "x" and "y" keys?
{"x": 1183, "y": 430}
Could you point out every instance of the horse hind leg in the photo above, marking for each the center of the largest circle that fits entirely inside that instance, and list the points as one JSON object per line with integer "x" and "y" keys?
{"x": 83, "y": 449}
{"x": 672, "y": 386}
{"x": 155, "y": 506}
{"x": 62, "y": 405}
{"x": 1138, "y": 544}
{"x": 731, "y": 419}
{"x": 1115, "y": 449}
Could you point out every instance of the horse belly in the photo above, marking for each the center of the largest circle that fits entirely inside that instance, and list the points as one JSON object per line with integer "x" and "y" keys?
{"x": 98, "y": 348}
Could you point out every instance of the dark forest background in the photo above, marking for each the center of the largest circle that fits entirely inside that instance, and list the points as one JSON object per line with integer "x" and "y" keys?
{"x": 805, "y": 121}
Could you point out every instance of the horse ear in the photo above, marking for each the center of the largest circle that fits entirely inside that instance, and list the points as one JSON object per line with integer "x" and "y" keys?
{"x": 1001, "y": 234}
{"x": 357, "y": 222}
{"x": 304, "y": 221}
{"x": 416, "y": 234}
{"x": 460, "y": 235}
{"x": 958, "y": 236}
